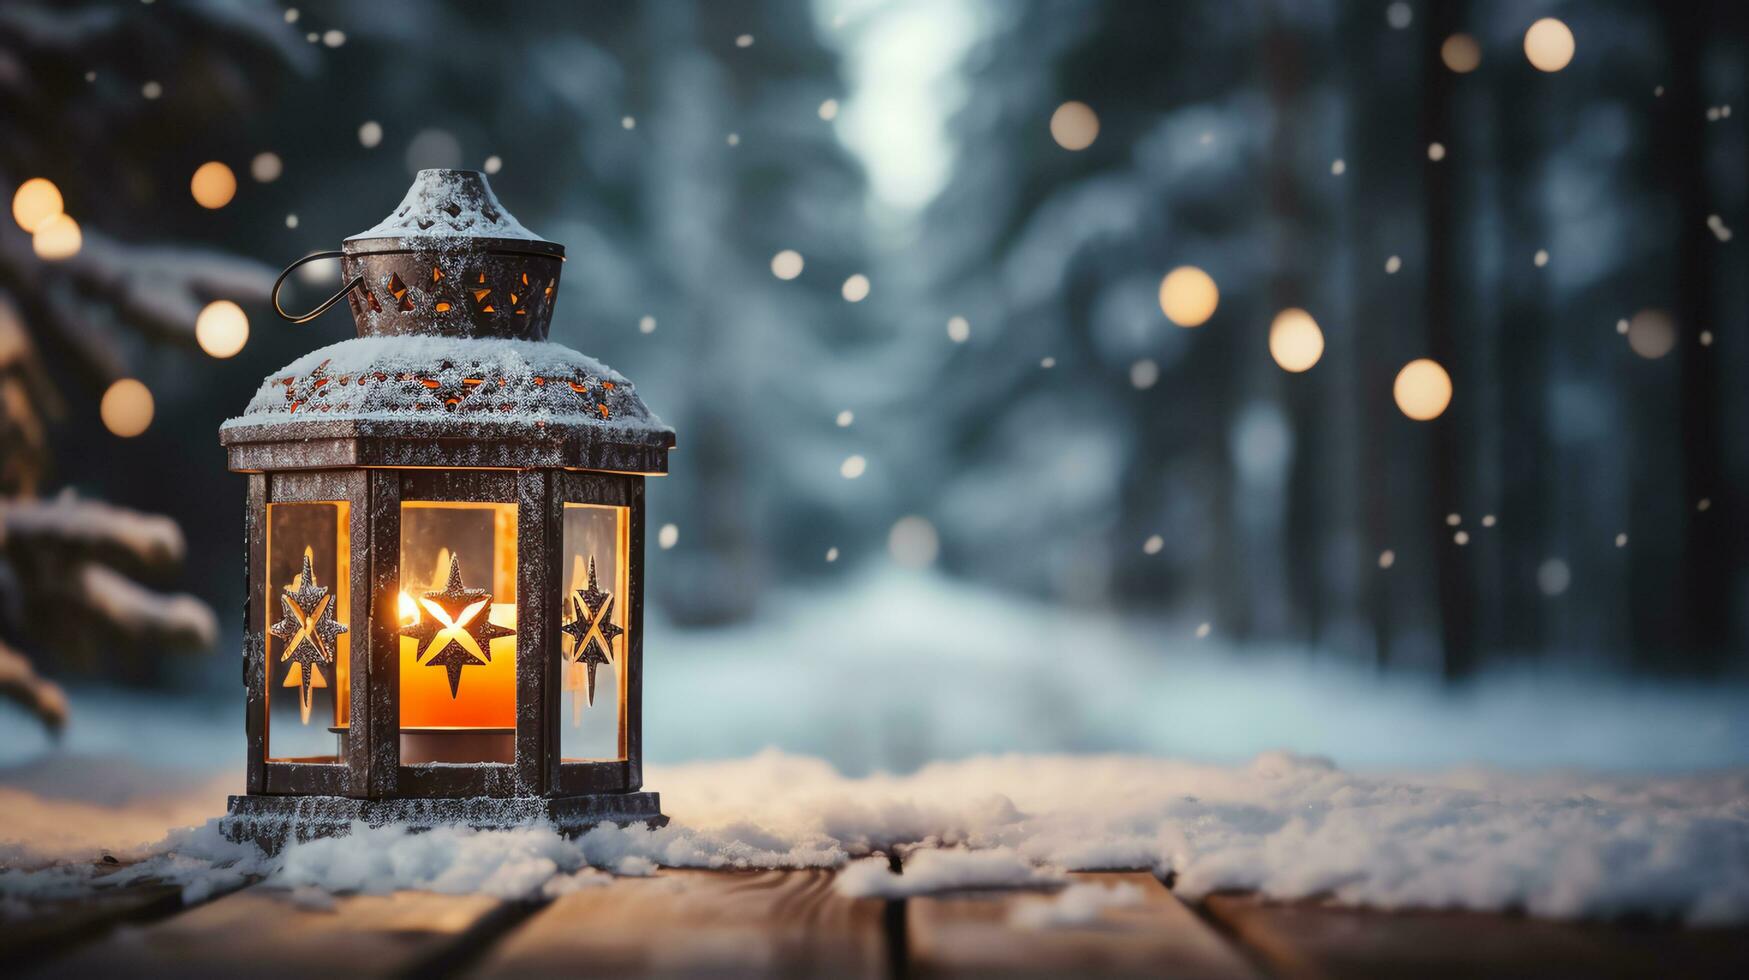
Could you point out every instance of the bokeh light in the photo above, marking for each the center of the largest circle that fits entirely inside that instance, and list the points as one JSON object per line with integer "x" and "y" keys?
{"x": 1295, "y": 341}
{"x": 35, "y": 202}
{"x": 1074, "y": 126}
{"x": 370, "y": 134}
{"x": 1549, "y": 45}
{"x": 1423, "y": 389}
{"x": 855, "y": 288}
{"x": 126, "y": 408}
{"x": 852, "y": 467}
{"x": 1461, "y": 53}
{"x": 1652, "y": 334}
{"x": 787, "y": 264}
{"x": 213, "y": 185}
{"x": 222, "y": 328}
{"x": 57, "y": 238}
{"x": 1188, "y": 296}
{"x": 959, "y": 329}
{"x": 266, "y": 167}
{"x": 913, "y": 542}
{"x": 668, "y": 537}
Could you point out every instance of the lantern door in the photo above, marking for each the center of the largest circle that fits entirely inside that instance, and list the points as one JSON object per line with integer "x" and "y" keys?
{"x": 463, "y": 612}
{"x": 304, "y": 666}
{"x": 595, "y": 656}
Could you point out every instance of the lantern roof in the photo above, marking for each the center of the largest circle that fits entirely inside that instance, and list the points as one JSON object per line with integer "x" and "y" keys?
{"x": 448, "y": 209}
{"x": 447, "y": 401}
{"x": 452, "y": 298}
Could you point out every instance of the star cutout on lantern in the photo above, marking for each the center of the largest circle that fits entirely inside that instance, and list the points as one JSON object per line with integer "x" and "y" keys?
{"x": 592, "y": 630}
{"x": 309, "y": 629}
{"x": 455, "y": 631}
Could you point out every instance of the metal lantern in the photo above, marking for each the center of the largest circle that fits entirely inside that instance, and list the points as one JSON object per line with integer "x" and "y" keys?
{"x": 445, "y": 534}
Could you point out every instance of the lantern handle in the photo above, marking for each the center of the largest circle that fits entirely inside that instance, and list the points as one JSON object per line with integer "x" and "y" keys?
{"x": 328, "y": 303}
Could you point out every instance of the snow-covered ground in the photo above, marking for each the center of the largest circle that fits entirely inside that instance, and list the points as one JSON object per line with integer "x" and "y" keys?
{"x": 1071, "y": 741}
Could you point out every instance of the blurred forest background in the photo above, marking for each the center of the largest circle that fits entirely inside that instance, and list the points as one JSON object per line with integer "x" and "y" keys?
{"x": 965, "y": 367}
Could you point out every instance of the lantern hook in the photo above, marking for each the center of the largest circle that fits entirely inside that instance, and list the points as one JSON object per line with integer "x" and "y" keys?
{"x": 327, "y": 304}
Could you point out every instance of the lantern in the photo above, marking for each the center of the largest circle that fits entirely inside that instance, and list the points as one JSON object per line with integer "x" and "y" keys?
{"x": 445, "y": 533}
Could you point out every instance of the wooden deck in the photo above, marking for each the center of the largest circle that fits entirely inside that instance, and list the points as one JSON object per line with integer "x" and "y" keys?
{"x": 682, "y": 923}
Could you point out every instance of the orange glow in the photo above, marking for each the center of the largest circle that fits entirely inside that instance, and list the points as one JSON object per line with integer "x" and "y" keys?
{"x": 482, "y": 539}
{"x": 487, "y": 696}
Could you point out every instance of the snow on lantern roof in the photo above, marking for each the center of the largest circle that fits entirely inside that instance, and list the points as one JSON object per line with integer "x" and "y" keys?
{"x": 448, "y": 204}
{"x": 501, "y": 401}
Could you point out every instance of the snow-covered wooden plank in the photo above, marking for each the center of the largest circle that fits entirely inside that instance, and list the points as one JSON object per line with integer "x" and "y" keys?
{"x": 1103, "y": 924}
{"x": 695, "y": 923}
{"x": 263, "y": 932}
{"x": 1310, "y": 940}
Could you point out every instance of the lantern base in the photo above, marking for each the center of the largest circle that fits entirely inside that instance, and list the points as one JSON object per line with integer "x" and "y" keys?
{"x": 273, "y": 821}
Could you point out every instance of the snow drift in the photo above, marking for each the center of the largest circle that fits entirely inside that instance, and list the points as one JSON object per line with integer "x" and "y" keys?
{"x": 1563, "y": 845}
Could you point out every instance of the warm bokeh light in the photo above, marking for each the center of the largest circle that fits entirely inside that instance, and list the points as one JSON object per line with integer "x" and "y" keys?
{"x": 1188, "y": 296}
{"x": 35, "y": 202}
{"x": 126, "y": 408}
{"x": 1295, "y": 341}
{"x": 58, "y": 238}
{"x": 787, "y": 264}
{"x": 1461, "y": 53}
{"x": 1652, "y": 334}
{"x": 1549, "y": 45}
{"x": 855, "y": 288}
{"x": 1074, "y": 126}
{"x": 222, "y": 328}
{"x": 1423, "y": 390}
{"x": 213, "y": 185}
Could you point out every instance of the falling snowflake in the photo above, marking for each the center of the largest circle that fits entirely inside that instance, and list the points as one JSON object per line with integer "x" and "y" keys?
{"x": 1392, "y": 264}
{"x": 1153, "y": 545}
{"x": 852, "y": 467}
{"x": 959, "y": 329}
{"x": 668, "y": 537}
{"x": 845, "y": 418}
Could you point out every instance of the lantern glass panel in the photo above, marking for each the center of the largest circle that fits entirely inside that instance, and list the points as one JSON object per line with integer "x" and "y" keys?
{"x": 457, "y": 608}
{"x": 595, "y": 614}
{"x": 308, "y": 647}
